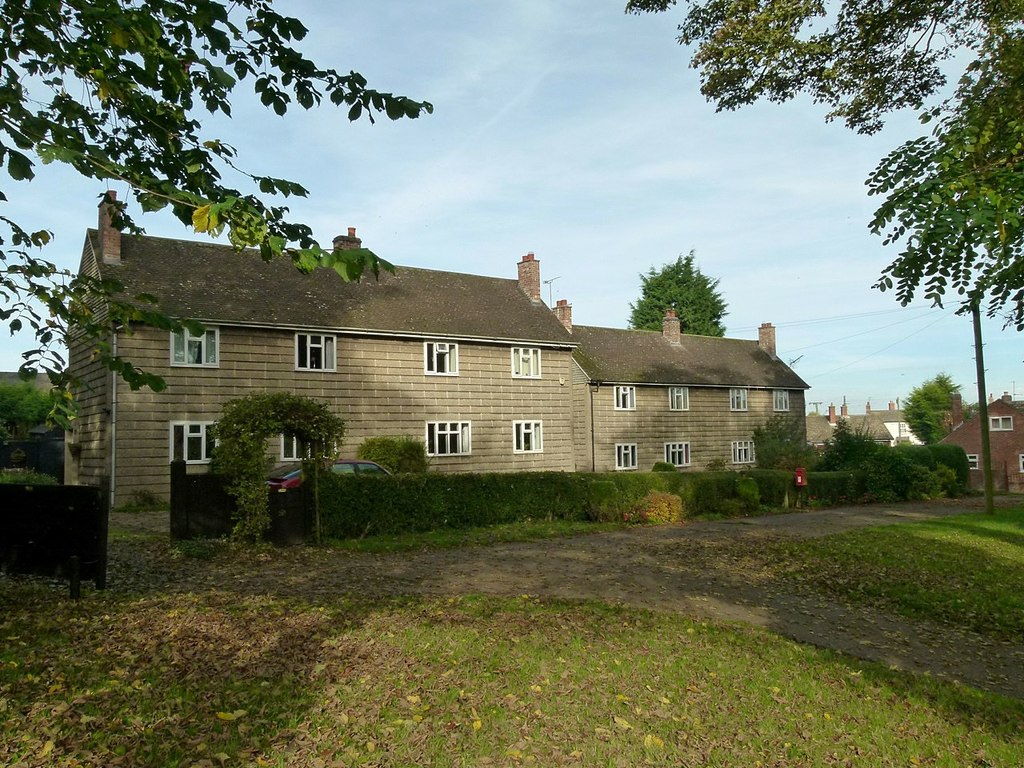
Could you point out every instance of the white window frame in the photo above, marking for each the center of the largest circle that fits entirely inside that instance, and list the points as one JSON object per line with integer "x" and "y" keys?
{"x": 680, "y": 450}
{"x": 738, "y": 398}
{"x": 290, "y": 445}
{"x": 973, "y": 461}
{"x": 1020, "y": 459}
{"x": 325, "y": 342}
{"x": 440, "y": 358}
{"x": 528, "y": 436}
{"x": 625, "y": 456}
{"x": 679, "y": 398}
{"x": 995, "y": 423}
{"x": 181, "y": 340}
{"x": 199, "y": 430}
{"x": 625, "y": 398}
{"x": 461, "y": 431}
{"x": 743, "y": 452}
{"x": 526, "y": 363}
{"x": 780, "y": 400}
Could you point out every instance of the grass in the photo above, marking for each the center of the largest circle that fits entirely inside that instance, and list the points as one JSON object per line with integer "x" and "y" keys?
{"x": 450, "y": 538}
{"x": 218, "y": 679}
{"x": 966, "y": 571}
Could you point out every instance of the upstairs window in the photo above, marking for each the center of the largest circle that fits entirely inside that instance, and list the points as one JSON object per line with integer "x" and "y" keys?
{"x": 526, "y": 362}
{"x": 448, "y": 438}
{"x": 738, "y": 399}
{"x": 192, "y": 441}
{"x": 528, "y": 437}
{"x": 314, "y": 352}
{"x": 625, "y": 398}
{"x": 441, "y": 358}
{"x": 1000, "y": 423}
{"x": 678, "y": 398}
{"x": 780, "y": 399}
{"x": 201, "y": 350}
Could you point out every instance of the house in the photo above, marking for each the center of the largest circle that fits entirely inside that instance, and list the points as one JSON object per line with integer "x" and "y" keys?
{"x": 886, "y": 427}
{"x": 477, "y": 367}
{"x": 641, "y": 397}
{"x": 1006, "y": 441}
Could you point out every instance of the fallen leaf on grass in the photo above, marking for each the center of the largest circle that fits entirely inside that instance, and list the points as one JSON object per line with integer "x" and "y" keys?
{"x": 623, "y": 723}
{"x": 229, "y": 716}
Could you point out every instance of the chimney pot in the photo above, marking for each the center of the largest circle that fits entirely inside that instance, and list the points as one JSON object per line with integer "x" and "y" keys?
{"x": 110, "y": 237}
{"x": 766, "y": 338}
{"x": 843, "y": 410}
{"x": 529, "y": 277}
{"x": 867, "y": 408}
{"x": 563, "y": 311}
{"x": 347, "y": 242}
{"x": 1007, "y": 397}
{"x": 670, "y": 327}
{"x": 892, "y": 405}
{"x": 832, "y": 413}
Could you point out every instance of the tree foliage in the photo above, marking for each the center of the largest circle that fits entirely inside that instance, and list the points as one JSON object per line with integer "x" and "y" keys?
{"x": 927, "y": 409}
{"x": 781, "y": 443}
{"x": 953, "y": 199}
{"x": 22, "y": 406}
{"x": 121, "y": 90}
{"x": 682, "y": 287}
{"x": 241, "y": 453}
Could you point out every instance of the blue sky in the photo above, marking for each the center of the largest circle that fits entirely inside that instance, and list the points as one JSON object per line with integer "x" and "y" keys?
{"x": 577, "y": 132}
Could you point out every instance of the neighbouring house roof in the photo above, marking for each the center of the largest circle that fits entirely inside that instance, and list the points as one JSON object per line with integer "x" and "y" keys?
{"x": 216, "y": 284}
{"x": 647, "y": 357}
{"x": 881, "y": 426}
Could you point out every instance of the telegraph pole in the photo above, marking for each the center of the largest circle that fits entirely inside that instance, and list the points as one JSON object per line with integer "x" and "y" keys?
{"x": 986, "y": 448}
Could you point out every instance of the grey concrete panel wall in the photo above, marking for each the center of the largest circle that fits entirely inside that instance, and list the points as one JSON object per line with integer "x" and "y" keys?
{"x": 378, "y": 388}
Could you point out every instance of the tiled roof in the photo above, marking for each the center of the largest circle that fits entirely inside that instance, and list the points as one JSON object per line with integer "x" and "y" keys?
{"x": 647, "y": 357}
{"x": 872, "y": 424}
{"x": 216, "y": 284}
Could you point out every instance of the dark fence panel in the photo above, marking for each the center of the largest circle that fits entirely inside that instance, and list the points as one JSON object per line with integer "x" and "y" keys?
{"x": 42, "y": 455}
{"x": 42, "y": 527}
{"x": 201, "y": 507}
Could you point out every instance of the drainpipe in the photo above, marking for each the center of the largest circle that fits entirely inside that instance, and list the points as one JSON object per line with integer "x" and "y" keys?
{"x": 113, "y": 421}
{"x": 593, "y": 439}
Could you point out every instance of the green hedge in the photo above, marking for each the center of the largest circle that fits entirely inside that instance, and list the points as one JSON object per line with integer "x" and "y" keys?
{"x": 954, "y": 457}
{"x": 354, "y": 506}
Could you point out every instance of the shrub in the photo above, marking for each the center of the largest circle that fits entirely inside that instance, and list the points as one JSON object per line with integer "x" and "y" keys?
{"x": 848, "y": 449}
{"x": 399, "y": 453}
{"x": 888, "y": 475}
{"x": 604, "y": 501}
{"x": 748, "y": 494}
{"x": 774, "y": 485}
{"x": 709, "y": 492}
{"x": 954, "y": 457}
{"x": 782, "y": 444}
{"x": 26, "y": 477}
{"x": 663, "y": 466}
{"x": 834, "y": 488}
{"x": 657, "y": 507}
{"x": 948, "y": 481}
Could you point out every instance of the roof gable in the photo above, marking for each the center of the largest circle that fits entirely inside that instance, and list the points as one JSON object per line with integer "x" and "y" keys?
{"x": 216, "y": 284}
{"x": 647, "y": 357}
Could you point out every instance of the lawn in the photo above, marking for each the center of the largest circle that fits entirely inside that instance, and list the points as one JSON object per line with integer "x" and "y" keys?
{"x": 219, "y": 678}
{"x": 215, "y": 679}
{"x": 966, "y": 571}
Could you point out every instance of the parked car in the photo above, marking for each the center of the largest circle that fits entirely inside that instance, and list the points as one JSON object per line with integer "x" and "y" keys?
{"x": 290, "y": 475}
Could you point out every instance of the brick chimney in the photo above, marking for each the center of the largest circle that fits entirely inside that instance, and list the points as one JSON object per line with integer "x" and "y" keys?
{"x": 892, "y": 405}
{"x": 110, "y": 237}
{"x": 832, "y": 414}
{"x": 844, "y": 411}
{"x": 956, "y": 410}
{"x": 563, "y": 311}
{"x": 867, "y": 408}
{"x": 1007, "y": 397}
{"x": 347, "y": 242}
{"x": 529, "y": 276}
{"x": 670, "y": 326}
{"x": 766, "y": 338}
